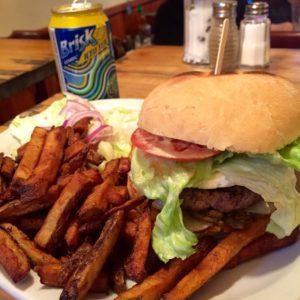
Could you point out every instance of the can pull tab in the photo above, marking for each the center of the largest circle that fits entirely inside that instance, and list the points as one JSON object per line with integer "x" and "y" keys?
{"x": 81, "y": 4}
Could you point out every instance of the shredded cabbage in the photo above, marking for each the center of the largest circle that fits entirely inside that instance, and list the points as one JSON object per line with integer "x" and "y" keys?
{"x": 124, "y": 123}
{"x": 22, "y": 127}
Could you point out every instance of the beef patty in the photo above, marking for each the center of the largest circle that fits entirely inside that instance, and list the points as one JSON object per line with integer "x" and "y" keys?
{"x": 224, "y": 199}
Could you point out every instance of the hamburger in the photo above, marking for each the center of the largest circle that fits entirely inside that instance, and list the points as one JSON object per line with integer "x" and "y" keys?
{"x": 215, "y": 152}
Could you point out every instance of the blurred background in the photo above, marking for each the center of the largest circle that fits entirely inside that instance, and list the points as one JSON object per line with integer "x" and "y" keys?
{"x": 31, "y": 14}
{"x": 34, "y": 14}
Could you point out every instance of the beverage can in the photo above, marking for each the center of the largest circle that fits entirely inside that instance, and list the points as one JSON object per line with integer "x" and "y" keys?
{"x": 82, "y": 42}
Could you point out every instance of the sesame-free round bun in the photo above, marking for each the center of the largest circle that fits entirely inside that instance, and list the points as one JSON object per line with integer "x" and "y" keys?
{"x": 257, "y": 113}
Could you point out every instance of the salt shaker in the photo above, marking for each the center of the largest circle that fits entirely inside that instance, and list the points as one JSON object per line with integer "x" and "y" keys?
{"x": 197, "y": 17}
{"x": 255, "y": 36}
{"x": 224, "y": 9}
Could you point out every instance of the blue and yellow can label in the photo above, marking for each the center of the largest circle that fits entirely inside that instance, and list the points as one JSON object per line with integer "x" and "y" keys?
{"x": 85, "y": 61}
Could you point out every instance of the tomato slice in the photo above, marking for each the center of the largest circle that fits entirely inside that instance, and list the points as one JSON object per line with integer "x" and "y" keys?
{"x": 172, "y": 149}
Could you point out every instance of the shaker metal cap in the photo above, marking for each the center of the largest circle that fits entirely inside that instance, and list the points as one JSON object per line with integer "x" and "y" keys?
{"x": 224, "y": 8}
{"x": 257, "y": 8}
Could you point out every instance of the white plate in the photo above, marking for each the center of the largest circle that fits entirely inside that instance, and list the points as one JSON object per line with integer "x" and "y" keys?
{"x": 275, "y": 276}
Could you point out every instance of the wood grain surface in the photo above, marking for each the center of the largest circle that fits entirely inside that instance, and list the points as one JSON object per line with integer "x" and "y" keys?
{"x": 23, "y": 63}
{"x": 143, "y": 69}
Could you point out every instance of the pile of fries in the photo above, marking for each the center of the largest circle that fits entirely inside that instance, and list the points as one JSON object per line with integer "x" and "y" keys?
{"x": 86, "y": 231}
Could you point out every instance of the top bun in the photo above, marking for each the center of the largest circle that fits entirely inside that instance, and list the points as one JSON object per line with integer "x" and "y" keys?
{"x": 256, "y": 113}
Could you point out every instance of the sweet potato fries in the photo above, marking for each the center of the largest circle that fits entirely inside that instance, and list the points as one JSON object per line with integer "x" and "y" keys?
{"x": 47, "y": 196}
{"x": 44, "y": 174}
{"x": 217, "y": 259}
{"x": 12, "y": 258}
{"x": 30, "y": 157}
{"x": 88, "y": 231}
{"x": 136, "y": 262}
{"x": 85, "y": 275}
{"x": 58, "y": 218}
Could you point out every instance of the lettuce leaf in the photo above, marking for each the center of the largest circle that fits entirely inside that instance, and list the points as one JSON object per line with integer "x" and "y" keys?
{"x": 291, "y": 154}
{"x": 164, "y": 180}
{"x": 276, "y": 183}
{"x": 124, "y": 123}
{"x": 219, "y": 159}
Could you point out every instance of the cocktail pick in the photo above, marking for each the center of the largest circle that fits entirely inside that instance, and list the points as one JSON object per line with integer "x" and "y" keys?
{"x": 224, "y": 35}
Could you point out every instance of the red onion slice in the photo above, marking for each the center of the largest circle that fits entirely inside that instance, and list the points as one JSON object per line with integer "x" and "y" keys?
{"x": 72, "y": 107}
{"x": 78, "y": 108}
{"x": 78, "y": 99}
{"x": 101, "y": 133}
{"x": 65, "y": 124}
{"x": 85, "y": 114}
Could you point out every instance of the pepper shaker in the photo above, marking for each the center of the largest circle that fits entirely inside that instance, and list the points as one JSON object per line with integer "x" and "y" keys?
{"x": 224, "y": 9}
{"x": 255, "y": 36}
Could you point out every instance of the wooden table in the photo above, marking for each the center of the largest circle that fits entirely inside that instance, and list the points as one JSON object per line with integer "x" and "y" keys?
{"x": 23, "y": 63}
{"x": 27, "y": 75}
{"x": 143, "y": 69}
